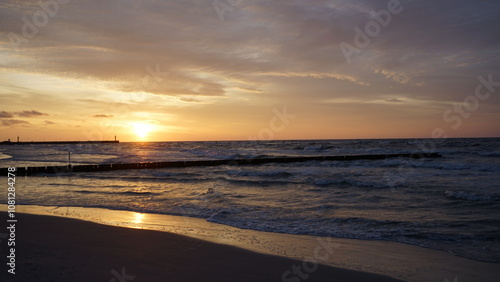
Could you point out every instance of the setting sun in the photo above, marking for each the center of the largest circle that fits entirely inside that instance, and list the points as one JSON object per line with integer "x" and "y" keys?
{"x": 142, "y": 129}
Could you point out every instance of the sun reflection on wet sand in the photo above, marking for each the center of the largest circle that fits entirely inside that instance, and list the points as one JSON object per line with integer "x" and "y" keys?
{"x": 137, "y": 217}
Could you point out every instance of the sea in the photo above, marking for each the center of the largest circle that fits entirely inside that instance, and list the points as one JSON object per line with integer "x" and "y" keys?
{"x": 451, "y": 203}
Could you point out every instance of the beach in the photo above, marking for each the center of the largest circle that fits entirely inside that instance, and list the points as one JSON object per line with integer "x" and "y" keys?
{"x": 409, "y": 219}
{"x": 56, "y": 248}
{"x": 62, "y": 249}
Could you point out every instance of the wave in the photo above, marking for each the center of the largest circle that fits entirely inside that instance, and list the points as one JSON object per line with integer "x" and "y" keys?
{"x": 222, "y": 154}
{"x": 4, "y": 156}
{"x": 258, "y": 183}
{"x": 443, "y": 164}
{"x": 169, "y": 174}
{"x": 469, "y": 196}
{"x": 435, "y": 236}
{"x": 66, "y": 185}
{"x": 267, "y": 173}
{"x": 490, "y": 154}
{"x": 350, "y": 182}
{"x": 317, "y": 147}
{"x": 128, "y": 193}
{"x": 146, "y": 177}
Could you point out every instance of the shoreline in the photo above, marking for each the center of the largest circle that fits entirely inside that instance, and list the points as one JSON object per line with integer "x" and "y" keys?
{"x": 398, "y": 260}
{"x": 52, "y": 248}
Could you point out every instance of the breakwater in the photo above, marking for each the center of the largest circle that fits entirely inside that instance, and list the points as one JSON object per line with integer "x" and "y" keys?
{"x": 248, "y": 161}
{"x": 57, "y": 142}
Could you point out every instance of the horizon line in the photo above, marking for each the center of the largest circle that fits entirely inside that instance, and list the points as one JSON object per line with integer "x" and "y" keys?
{"x": 256, "y": 140}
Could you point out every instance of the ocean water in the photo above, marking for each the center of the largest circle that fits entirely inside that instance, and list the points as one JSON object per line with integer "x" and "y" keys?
{"x": 450, "y": 203}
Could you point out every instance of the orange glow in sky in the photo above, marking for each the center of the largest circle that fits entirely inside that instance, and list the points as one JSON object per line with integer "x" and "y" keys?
{"x": 141, "y": 71}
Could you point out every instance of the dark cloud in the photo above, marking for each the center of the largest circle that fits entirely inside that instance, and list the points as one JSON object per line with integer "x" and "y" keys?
{"x": 190, "y": 100}
{"x": 4, "y": 114}
{"x": 31, "y": 113}
{"x": 11, "y": 122}
{"x": 102, "y": 116}
{"x": 49, "y": 122}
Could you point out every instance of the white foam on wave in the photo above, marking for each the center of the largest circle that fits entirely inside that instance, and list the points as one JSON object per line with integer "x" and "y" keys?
{"x": 4, "y": 156}
{"x": 317, "y": 147}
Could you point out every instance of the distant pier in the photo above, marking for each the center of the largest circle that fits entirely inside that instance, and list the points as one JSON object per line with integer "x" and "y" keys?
{"x": 57, "y": 142}
{"x": 233, "y": 162}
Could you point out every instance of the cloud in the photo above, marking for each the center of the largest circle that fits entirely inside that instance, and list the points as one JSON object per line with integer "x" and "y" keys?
{"x": 190, "y": 100}
{"x": 102, "y": 116}
{"x": 123, "y": 39}
{"x": 4, "y": 114}
{"x": 49, "y": 122}
{"x": 253, "y": 56}
{"x": 394, "y": 100}
{"x": 31, "y": 113}
{"x": 12, "y": 122}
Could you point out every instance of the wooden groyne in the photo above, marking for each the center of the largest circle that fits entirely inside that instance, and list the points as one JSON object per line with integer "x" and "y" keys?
{"x": 176, "y": 164}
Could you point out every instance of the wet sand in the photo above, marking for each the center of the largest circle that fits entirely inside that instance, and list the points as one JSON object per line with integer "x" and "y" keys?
{"x": 50, "y": 248}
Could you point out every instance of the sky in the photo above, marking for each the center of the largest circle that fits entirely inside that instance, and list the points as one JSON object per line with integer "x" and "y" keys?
{"x": 170, "y": 70}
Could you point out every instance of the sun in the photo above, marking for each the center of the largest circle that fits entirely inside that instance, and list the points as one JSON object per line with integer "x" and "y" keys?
{"x": 142, "y": 129}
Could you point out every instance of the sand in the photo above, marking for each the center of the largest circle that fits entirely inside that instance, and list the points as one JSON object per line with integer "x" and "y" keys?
{"x": 50, "y": 248}
{"x": 56, "y": 248}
